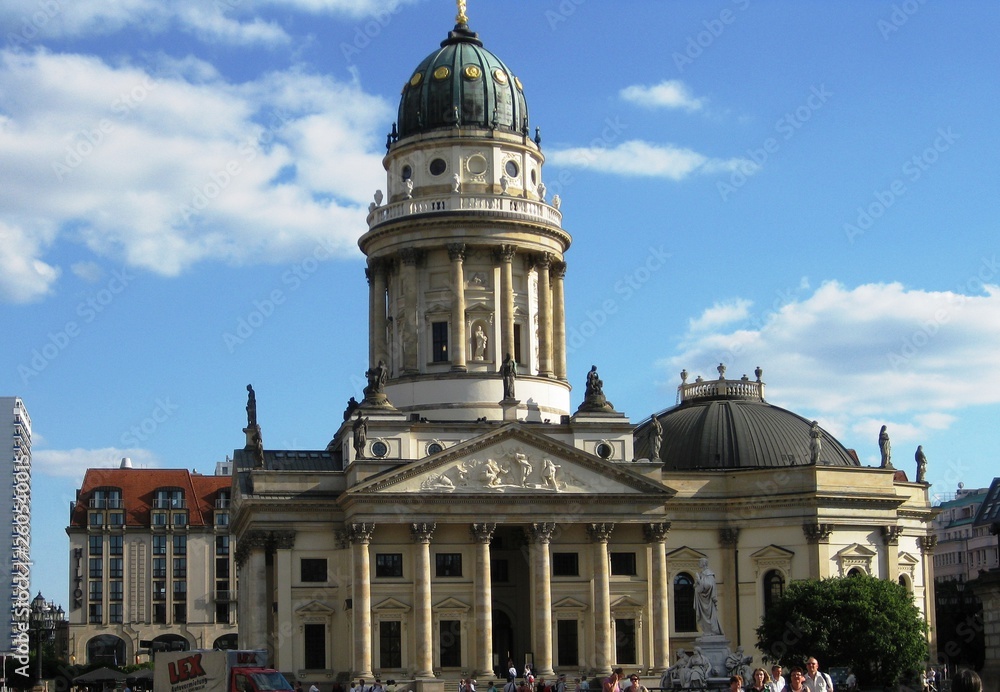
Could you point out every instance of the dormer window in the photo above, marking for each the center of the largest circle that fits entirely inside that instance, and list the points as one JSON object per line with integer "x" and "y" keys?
{"x": 169, "y": 498}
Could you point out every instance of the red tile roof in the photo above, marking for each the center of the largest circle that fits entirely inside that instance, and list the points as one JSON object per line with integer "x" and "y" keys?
{"x": 138, "y": 488}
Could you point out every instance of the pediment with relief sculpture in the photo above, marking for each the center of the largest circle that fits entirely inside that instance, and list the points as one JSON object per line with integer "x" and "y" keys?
{"x": 514, "y": 461}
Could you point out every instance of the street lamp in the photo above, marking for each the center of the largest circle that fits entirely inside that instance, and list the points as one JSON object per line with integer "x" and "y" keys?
{"x": 43, "y": 624}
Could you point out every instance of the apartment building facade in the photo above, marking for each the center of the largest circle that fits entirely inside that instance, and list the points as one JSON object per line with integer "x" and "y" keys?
{"x": 150, "y": 561}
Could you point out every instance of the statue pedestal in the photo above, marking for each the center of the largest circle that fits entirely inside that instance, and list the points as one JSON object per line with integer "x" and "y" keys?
{"x": 509, "y": 407}
{"x": 716, "y": 649}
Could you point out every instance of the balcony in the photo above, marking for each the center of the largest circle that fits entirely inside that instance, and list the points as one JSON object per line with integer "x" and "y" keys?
{"x": 169, "y": 503}
{"x": 487, "y": 205}
{"x": 106, "y": 503}
{"x": 222, "y": 503}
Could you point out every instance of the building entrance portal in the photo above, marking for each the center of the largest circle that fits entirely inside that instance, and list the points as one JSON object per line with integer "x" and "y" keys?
{"x": 511, "y": 581}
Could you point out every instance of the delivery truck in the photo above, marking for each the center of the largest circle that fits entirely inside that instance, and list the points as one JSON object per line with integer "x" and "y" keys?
{"x": 204, "y": 670}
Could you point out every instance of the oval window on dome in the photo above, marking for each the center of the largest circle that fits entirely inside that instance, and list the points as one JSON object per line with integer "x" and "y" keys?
{"x": 416, "y": 78}
{"x": 472, "y": 72}
{"x": 442, "y": 72}
{"x": 534, "y": 177}
{"x": 511, "y": 169}
{"x": 438, "y": 166}
{"x": 500, "y": 76}
{"x": 476, "y": 164}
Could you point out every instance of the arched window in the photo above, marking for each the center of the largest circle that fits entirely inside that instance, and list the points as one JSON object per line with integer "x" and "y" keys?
{"x": 856, "y": 572}
{"x": 107, "y": 649}
{"x": 684, "y": 615}
{"x": 226, "y": 641}
{"x": 774, "y": 588}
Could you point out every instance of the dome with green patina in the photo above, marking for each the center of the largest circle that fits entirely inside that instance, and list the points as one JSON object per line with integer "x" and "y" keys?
{"x": 462, "y": 85}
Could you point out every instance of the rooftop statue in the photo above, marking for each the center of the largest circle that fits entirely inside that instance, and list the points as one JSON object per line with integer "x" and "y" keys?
{"x": 921, "y": 459}
{"x": 706, "y": 603}
{"x": 885, "y": 448}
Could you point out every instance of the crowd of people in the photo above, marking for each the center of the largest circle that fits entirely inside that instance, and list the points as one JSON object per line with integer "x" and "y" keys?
{"x": 808, "y": 679}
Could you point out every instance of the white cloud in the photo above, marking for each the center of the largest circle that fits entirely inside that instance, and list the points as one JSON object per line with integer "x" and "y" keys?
{"x": 24, "y": 277}
{"x": 862, "y": 357}
{"x": 90, "y": 272}
{"x": 73, "y": 463}
{"x": 228, "y": 22}
{"x": 162, "y": 172}
{"x": 671, "y": 93}
{"x": 638, "y": 158}
{"x": 721, "y": 314}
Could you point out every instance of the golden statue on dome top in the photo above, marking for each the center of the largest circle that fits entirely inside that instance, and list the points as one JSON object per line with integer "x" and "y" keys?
{"x": 461, "y": 17}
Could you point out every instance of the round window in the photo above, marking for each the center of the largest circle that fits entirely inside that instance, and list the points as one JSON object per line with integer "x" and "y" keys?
{"x": 511, "y": 169}
{"x": 379, "y": 449}
{"x": 434, "y": 448}
{"x": 476, "y": 164}
{"x": 407, "y": 172}
{"x": 438, "y": 166}
{"x": 604, "y": 450}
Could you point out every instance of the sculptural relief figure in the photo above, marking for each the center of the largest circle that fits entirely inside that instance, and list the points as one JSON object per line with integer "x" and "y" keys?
{"x": 438, "y": 482}
{"x": 655, "y": 439}
{"x": 508, "y": 371}
{"x": 456, "y": 183}
{"x": 360, "y": 430}
{"x": 525, "y": 465}
{"x": 815, "y": 442}
{"x": 251, "y": 407}
{"x": 479, "y": 341}
{"x": 885, "y": 448}
{"x": 491, "y": 474}
{"x": 409, "y": 189}
{"x": 549, "y": 470}
{"x": 706, "y": 602}
{"x": 921, "y": 459}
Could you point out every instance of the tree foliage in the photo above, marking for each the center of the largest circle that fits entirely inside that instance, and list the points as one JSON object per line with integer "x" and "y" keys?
{"x": 871, "y": 625}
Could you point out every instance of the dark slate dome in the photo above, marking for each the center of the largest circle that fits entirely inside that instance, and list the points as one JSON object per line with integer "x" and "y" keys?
{"x": 462, "y": 84}
{"x": 726, "y": 424}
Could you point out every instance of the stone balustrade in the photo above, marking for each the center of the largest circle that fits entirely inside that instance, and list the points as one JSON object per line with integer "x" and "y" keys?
{"x": 733, "y": 389}
{"x": 511, "y": 207}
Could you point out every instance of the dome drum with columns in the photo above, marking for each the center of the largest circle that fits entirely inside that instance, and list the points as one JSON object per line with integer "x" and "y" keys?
{"x": 463, "y": 513}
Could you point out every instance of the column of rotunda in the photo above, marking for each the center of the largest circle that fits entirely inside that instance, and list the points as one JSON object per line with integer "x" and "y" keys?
{"x": 408, "y": 278}
{"x": 506, "y": 256}
{"x": 558, "y": 321}
{"x": 543, "y": 263}
{"x": 459, "y": 339}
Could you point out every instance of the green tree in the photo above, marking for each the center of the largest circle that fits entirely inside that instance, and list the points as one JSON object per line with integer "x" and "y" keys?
{"x": 871, "y": 625}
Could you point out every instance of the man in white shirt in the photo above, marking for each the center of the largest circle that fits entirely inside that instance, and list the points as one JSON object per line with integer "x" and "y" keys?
{"x": 817, "y": 681}
{"x": 777, "y": 681}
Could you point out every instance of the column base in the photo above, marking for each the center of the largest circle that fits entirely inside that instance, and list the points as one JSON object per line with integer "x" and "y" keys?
{"x": 428, "y": 685}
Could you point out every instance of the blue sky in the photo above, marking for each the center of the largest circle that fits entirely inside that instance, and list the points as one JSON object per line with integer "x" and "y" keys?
{"x": 805, "y": 186}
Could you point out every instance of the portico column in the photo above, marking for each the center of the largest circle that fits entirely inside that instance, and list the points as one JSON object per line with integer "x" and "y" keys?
{"x": 377, "y": 346}
{"x": 558, "y": 321}
{"x": 421, "y": 534}
{"x": 819, "y": 557}
{"x": 409, "y": 333}
{"x": 482, "y": 534}
{"x": 599, "y": 534}
{"x": 656, "y": 536}
{"x": 284, "y": 647}
{"x": 252, "y": 569}
{"x": 891, "y": 536}
{"x": 543, "y": 263}
{"x": 506, "y": 256}
{"x": 360, "y": 535}
{"x": 541, "y": 616}
{"x": 460, "y": 340}
{"x": 927, "y": 545}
